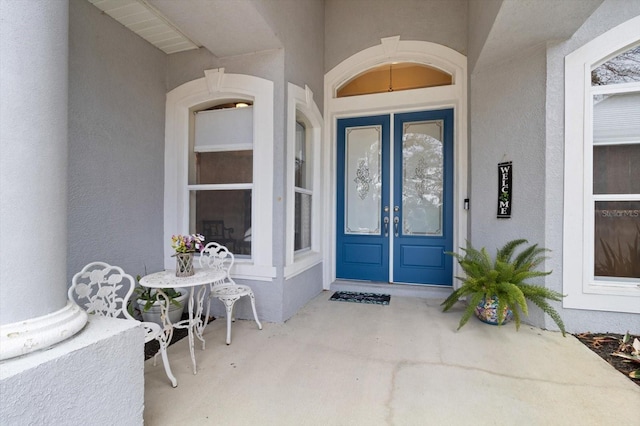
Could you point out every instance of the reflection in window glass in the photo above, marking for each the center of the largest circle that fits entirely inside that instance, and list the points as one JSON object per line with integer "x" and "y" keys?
{"x": 616, "y": 169}
{"x": 303, "y": 219}
{"x": 617, "y": 239}
{"x": 302, "y": 189}
{"x": 363, "y": 180}
{"x": 623, "y": 68}
{"x": 224, "y": 167}
{"x": 303, "y": 167}
{"x": 224, "y": 217}
{"x": 422, "y": 169}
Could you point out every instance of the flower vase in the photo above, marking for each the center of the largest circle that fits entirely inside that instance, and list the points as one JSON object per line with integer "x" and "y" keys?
{"x": 184, "y": 264}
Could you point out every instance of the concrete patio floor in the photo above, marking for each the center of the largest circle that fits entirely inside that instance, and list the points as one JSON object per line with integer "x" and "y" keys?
{"x": 339, "y": 363}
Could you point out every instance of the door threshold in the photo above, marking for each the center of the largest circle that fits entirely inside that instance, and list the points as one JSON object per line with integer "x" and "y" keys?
{"x": 399, "y": 290}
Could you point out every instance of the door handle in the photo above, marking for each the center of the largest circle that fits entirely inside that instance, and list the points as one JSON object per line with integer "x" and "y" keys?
{"x": 386, "y": 226}
{"x": 395, "y": 225}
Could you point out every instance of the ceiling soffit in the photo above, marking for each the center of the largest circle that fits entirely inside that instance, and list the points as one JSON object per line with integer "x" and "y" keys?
{"x": 521, "y": 25}
{"x": 146, "y": 22}
{"x": 225, "y": 28}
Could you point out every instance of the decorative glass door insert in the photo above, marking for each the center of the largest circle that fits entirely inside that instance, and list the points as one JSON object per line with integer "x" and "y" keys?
{"x": 422, "y": 178}
{"x": 363, "y": 180}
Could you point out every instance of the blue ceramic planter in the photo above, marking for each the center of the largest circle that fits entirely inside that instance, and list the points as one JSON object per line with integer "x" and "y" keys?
{"x": 487, "y": 311}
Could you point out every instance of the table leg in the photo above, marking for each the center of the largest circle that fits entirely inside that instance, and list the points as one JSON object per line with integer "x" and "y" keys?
{"x": 190, "y": 330}
{"x": 200, "y": 322}
{"x": 166, "y": 336}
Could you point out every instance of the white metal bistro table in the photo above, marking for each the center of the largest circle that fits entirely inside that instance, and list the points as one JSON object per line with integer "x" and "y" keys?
{"x": 194, "y": 324}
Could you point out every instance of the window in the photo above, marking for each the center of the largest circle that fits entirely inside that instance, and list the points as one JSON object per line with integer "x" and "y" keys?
{"x": 394, "y": 77}
{"x": 303, "y": 178}
{"x": 212, "y": 183}
{"x": 303, "y": 189}
{"x": 602, "y": 173}
{"x": 221, "y": 176}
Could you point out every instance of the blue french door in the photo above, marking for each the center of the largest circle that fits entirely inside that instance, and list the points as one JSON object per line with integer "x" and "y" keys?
{"x": 362, "y": 248}
{"x": 395, "y": 198}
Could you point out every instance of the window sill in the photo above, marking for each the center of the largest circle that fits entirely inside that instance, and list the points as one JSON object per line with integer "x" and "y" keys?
{"x": 600, "y": 298}
{"x": 301, "y": 263}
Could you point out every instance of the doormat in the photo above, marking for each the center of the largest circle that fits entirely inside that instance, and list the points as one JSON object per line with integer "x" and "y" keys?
{"x": 371, "y": 298}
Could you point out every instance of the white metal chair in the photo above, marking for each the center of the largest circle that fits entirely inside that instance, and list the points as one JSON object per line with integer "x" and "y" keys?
{"x": 98, "y": 289}
{"x": 218, "y": 257}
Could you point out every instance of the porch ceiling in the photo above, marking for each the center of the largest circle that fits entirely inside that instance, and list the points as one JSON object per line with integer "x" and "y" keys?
{"x": 228, "y": 31}
{"x": 220, "y": 28}
{"x": 175, "y": 26}
{"x": 520, "y": 25}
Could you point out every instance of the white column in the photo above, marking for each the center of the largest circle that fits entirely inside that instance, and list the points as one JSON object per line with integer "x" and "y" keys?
{"x": 34, "y": 312}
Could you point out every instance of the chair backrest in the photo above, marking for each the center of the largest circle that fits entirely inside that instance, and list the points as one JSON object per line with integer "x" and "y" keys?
{"x": 102, "y": 289}
{"x": 218, "y": 257}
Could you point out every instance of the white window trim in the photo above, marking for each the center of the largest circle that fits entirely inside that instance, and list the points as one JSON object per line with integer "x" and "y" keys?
{"x": 214, "y": 87}
{"x": 299, "y": 99}
{"x": 392, "y": 49}
{"x": 582, "y": 290}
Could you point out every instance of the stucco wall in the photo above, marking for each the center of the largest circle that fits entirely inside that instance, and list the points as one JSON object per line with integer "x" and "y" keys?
{"x": 610, "y": 14}
{"x": 301, "y": 288}
{"x": 95, "y": 378}
{"x": 483, "y": 14}
{"x": 507, "y": 124}
{"x": 354, "y": 25}
{"x": 116, "y": 144}
{"x": 301, "y": 32}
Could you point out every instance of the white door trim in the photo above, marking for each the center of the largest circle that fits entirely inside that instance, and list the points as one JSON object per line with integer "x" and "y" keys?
{"x": 392, "y": 49}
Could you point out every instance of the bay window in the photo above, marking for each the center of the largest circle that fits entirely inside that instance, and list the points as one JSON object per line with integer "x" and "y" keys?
{"x": 601, "y": 267}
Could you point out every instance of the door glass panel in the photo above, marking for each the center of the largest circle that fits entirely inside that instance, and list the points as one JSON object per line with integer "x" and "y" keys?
{"x": 422, "y": 178}
{"x": 363, "y": 183}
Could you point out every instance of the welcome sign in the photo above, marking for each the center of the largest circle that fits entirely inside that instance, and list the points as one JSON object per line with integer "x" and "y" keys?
{"x": 505, "y": 189}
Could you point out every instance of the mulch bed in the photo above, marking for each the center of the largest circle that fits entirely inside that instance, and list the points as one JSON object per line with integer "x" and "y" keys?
{"x": 605, "y": 345}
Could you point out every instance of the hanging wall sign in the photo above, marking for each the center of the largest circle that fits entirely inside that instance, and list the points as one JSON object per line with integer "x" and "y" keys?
{"x": 505, "y": 189}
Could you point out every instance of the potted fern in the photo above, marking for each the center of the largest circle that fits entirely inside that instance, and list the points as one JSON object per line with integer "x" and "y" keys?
{"x": 496, "y": 289}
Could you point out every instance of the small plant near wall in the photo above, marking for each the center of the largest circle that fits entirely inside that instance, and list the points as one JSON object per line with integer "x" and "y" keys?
{"x": 149, "y": 296}
{"x": 147, "y": 303}
{"x": 501, "y": 282}
{"x": 630, "y": 350}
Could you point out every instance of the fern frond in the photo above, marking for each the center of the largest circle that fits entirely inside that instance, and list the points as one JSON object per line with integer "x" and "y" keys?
{"x": 504, "y": 254}
{"x": 531, "y": 290}
{"x": 540, "y": 302}
{"x": 452, "y": 299}
{"x": 471, "y": 307}
{"x": 516, "y": 317}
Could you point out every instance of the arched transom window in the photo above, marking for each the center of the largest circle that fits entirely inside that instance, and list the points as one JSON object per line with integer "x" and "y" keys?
{"x": 394, "y": 77}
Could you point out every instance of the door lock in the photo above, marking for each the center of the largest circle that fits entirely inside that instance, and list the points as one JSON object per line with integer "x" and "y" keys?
{"x": 396, "y": 208}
